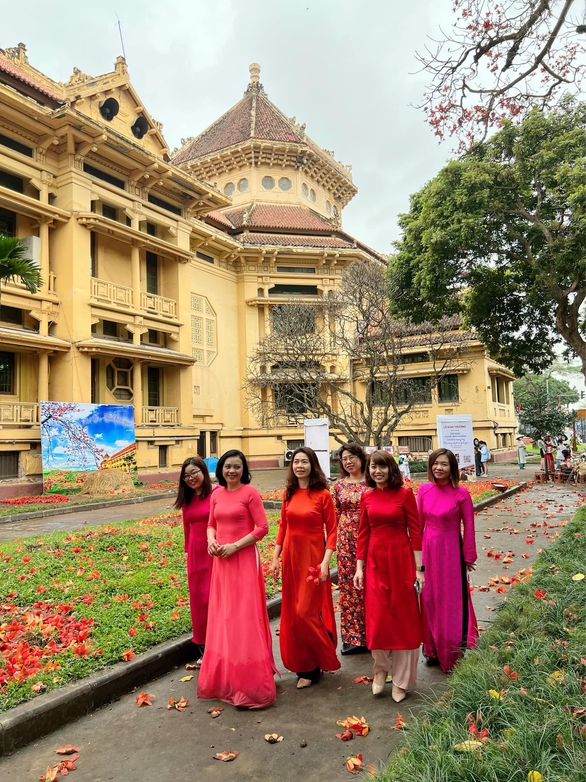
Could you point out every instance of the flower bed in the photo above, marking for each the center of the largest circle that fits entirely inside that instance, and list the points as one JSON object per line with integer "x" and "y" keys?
{"x": 36, "y": 499}
{"x": 73, "y": 603}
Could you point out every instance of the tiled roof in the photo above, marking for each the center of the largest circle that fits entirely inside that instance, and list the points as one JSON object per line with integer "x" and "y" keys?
{"x": 273, "y": 216}
{"x": 254, "y": 117}
{"x": 9, "y": 67}
{"x": 294, "y": 240}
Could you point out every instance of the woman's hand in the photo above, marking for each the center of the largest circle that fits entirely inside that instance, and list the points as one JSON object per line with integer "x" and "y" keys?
{"x": 227, "y": 550}
{"x": 213, "y": 548}
{"x": 470, "y": 566}
{"x": 325, "y": 570}
{"x": 359, "y": 578}
{"x": 420, "y": 579}
{"x": 275, "y": 568}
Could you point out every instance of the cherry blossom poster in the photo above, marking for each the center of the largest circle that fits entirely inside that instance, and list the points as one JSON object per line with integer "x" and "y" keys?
{"x": 80, "y": 438}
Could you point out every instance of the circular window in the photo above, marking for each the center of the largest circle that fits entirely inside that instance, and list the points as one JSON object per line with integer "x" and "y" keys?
{"x": 335, "y": 211}
{"x": 243, "y": 185}
{"x": 284, "y": 183}
{"x": 229, "y": 189}
{"x": 328, "y": 207}
{"x": 304, "y": 190}
{"x": 312, "y": 195}
{"x": 267, "y": 182}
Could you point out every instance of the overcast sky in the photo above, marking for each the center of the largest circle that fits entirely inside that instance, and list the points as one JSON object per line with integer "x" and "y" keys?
{"x": 346, "y": 68}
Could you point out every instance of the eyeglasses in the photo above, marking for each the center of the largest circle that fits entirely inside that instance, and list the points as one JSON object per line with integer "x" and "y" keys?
{"x": 191, "y": 475}
{"x": 348, "y": 459}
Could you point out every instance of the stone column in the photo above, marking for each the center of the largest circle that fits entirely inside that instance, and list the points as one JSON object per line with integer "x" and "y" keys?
{"x": 43, "y": 379}
{"x": 137, "y": 391}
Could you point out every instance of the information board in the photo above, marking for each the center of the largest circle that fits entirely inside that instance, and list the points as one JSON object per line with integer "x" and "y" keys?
{"x": 455, "y": 433}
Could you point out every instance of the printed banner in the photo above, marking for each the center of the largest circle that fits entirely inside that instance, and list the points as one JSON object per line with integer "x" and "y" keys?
{"x": 80, "y": 438}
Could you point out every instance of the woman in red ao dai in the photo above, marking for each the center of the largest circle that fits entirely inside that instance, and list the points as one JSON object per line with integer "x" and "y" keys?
{"x": 388, "y": 565}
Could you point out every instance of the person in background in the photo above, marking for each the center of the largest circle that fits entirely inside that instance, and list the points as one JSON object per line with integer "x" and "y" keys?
{"x": 238, "y": 665}
{"x": 193, "y": 500}
{"x": 484, "y": 456}
{"x": 549, "y": 460}
{"x": 347, "y": 493}
{"x": 521, "y": 453}
{"x": 477, "y": 458}
{"x": 404, "y": 468}
{"x": 541, "y": 445}
{"x": 388, "y": 567}
{"x": 307, "y": 538}
{"x": 449, "y": 554}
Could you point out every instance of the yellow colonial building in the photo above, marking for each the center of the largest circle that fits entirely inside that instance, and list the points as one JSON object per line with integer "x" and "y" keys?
{"x": 161, "y": 269}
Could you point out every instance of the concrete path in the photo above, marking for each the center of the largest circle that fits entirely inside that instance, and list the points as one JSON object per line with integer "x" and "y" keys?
{"x": 125, "y": 743}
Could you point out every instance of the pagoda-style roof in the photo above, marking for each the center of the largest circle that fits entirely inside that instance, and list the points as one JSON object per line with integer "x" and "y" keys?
{"x": 255, "y": 131}
{"x": 284, "y": 225}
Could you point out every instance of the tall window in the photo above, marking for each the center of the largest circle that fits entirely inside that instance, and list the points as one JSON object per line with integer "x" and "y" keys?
{"x": 447, "y": 389}
{"x": 416, "y": 389}
{"x": 152, "y": 273}
{"x": 7, "y": 223}
{"x": 417, "y": 444}
{"x": 93, "y": 254}
{"x": 294, "y": 398}
{"x": 154, "y": 387}
{"x": 7, "y": 373}
{"x": 204, "y": 340}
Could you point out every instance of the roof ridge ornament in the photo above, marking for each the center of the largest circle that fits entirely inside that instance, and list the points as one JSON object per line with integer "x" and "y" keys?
{"x": 254, "y": 85}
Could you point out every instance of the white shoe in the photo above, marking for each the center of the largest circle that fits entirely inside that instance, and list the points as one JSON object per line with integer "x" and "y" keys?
{"x": 378, "y": 683}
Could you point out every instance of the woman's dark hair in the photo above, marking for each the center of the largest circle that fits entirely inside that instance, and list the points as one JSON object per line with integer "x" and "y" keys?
{"x": 246, "y": 477}
{"x": 355, "y": 450}
{"x": 476, "y": 441}
{"x": 454, "y": 468}
{"x": 317, "y": 479}
{"x": 184, "y": 491}
{"x": 385, "y": 459}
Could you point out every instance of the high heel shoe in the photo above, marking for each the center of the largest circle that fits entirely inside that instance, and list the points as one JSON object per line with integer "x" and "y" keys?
{"x": 378, "y": 683}
{"x": 303, "y": 683}
{"x": 398, "y": 694}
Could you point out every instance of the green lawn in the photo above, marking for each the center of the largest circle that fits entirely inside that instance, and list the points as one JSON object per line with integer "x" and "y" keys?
{"x": 75, "y": 602}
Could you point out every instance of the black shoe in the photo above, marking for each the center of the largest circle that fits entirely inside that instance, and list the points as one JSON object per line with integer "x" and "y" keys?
{"x": 353, "y": 649}
{"x": 431, "y": 661}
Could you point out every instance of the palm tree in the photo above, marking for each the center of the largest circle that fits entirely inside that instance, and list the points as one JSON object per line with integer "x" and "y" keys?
{"x": 15, "y": 265}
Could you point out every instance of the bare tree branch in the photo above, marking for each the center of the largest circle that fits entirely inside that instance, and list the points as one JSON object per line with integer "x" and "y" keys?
{"x": 344, "y": 358}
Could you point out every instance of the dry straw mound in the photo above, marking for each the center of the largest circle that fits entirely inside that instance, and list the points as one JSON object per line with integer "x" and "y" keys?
{"x": 107, "y": 482}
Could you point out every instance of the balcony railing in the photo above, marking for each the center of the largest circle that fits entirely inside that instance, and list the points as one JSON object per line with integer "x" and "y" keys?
{"x": 160, "y": 416}
{"x": 19, "y": 413}
{"x": 111, "y": 292}
{"x": 167, "y": 308}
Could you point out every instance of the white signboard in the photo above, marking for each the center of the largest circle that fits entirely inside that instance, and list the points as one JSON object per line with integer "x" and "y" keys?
{"x": 455, "y": 433}
{"x": 317, "y": 436}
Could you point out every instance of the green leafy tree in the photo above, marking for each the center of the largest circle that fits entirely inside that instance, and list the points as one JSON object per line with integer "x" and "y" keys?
{"x": 499, "y": 236}
{"x": 14, "y": 265}
{"x": 542, "y": 404}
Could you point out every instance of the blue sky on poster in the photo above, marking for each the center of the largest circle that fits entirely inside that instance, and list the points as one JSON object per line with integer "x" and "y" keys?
{"x": 345, "y": 68}
{"x": 111, "y": 427}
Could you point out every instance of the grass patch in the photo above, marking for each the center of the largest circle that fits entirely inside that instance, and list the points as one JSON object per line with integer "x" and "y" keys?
{"x": 525, "y": 684}
{"x": 74, "y": 602}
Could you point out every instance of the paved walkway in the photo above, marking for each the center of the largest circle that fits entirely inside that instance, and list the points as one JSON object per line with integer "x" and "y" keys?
{"x": 148, "y": 744}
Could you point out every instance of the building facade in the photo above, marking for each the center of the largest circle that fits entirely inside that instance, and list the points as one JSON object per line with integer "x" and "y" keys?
{"x": 161, "y": 270}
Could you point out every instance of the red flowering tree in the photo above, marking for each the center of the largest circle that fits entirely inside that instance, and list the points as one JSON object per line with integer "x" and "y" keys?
{"x": 500, "y": 59}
